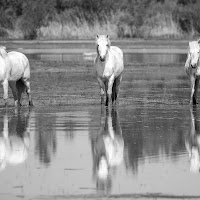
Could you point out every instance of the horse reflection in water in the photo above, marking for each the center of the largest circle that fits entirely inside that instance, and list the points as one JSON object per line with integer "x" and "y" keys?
{"x": 14, "y": 139}
{"x": 107, "y": 149}
{"x": 193, "y": 141}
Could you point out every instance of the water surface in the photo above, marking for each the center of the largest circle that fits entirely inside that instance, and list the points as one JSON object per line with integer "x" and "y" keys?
{"x": 68, "y": 146}
{"x": 162, "y": 58}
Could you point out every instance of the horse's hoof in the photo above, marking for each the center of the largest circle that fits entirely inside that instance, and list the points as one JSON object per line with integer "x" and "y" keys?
{"x": 6, "y": 104}
{"x": 17, "y": 104}
{"x": 106, "y": 104}
{"x": 31, "y": 103}
{"x": 194, "y": 103}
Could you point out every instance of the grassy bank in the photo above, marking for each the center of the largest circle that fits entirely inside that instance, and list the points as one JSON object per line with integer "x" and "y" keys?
{"x": 116, "y": 26}
{"x": 64, "y": 19}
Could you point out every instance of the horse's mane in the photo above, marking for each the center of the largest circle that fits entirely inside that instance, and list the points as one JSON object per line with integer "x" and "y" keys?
{"x": 100, "y": 38}
{"x": 194, "y": 45}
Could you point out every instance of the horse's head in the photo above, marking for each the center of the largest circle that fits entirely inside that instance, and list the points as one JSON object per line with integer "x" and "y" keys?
{"x": 3, "y": 52}
{"x": 194, "y": 50}
{"x": 103, "y": 45}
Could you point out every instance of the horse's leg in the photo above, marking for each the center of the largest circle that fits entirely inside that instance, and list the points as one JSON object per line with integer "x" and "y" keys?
{"x": 12, "y": 85}
{"x": 20, "y": 90}
{"x": 118, "y": 81}
{"x": 106, "y": 89}
{"x": 109, "y": 90}
{"x": 114, "y": 91}
{"x": 5, "y": 91}
{"x": 102, "y": 89}
{"x": 28, "y": 90}
{"x": 196, "y": 90}
{"x": 192, "y": 98}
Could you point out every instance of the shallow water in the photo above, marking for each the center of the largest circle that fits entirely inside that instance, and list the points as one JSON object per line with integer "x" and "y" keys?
{"x": 57, "y": 148}
{"x": 162, "y": 58}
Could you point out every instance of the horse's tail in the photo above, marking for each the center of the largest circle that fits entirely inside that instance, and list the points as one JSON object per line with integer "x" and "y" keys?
{"x": 21, "y": 87}
{"x": 26, "y": 74}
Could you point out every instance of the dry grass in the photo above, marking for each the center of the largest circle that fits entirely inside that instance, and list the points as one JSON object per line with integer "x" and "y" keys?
{"x": 16, "y": 32}
{"x": 56, "y": 30}
{"x": 157, "y": 22}
{"x": 161, "y": 25}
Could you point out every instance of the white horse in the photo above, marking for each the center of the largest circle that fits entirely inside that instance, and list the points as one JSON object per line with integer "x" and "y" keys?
{"x": 109, "y": 67}
{"x": 192, "y": 67}
{"x": 15, "y": 71}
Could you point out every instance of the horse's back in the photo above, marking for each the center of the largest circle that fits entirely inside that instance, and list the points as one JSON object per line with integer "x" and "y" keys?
{"x": 117, "y": 59}
{"x": 117, "y": 52}
{"x": 18, "y": 58}
{"x": 19, "y": 65}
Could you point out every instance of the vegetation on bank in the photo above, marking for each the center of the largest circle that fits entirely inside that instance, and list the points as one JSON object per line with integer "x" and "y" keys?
{"x": 83, "y": 19}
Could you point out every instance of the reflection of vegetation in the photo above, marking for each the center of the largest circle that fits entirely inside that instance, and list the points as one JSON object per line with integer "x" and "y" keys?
{"x": 152, "y": 132}
{"x": 69, "y": 129}
{"x": 50, "y": 127}
{"x": 153, "y": 126}
{"x": 85, "y": 18}
{"x": 45, "y": 139}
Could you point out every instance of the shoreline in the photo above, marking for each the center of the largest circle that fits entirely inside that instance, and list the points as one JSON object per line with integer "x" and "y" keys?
{"x": 88, "y": 46}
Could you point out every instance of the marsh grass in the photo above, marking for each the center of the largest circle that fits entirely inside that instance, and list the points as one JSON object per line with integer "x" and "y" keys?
{"x": 16, "y": 32}
{"x": 76, "y": 20}
{"x": 163, "y": 26}
{"x": 57, "y": 30}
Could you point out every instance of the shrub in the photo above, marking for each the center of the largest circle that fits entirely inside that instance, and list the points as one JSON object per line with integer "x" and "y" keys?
{"x": 62, "y": 19}
{"x": 35, "y": 14}
{"x": 76, "y": 29}
{"x": 159, "y": 21}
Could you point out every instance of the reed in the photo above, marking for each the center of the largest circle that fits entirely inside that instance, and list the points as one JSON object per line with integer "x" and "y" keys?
{"x": 138, "y": 19}
{"x": 161, "y": 26}
{"x": 72, "y": 30}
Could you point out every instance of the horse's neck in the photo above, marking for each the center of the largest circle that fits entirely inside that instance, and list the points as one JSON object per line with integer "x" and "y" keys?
{"x": 198, "y": 70}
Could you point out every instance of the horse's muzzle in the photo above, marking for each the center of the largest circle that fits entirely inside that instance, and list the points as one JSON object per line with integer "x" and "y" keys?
{"x": 102, "y": 59}
{"x": 194, "y": 65}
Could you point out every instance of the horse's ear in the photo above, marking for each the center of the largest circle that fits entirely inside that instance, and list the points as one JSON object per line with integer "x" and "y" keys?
{"x": 97, "y": 36}
{"x": 107, "y": 36}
